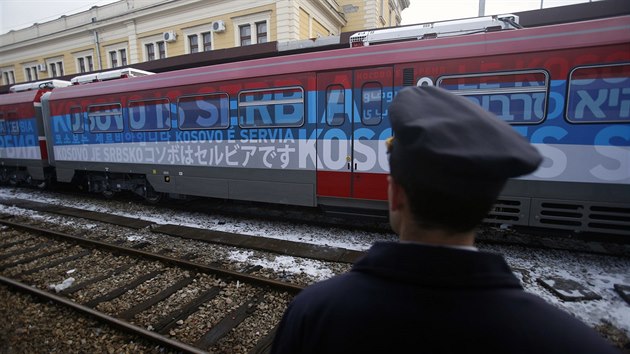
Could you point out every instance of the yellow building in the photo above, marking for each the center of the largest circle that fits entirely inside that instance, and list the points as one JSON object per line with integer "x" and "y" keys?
{"x": 127, "y": 32}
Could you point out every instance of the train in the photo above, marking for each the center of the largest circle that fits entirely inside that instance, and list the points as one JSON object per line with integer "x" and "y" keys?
{"x": 308, "y": 129}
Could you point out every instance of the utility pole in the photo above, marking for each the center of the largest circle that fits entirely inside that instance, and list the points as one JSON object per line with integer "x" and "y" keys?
{"x": 482, "y": 8}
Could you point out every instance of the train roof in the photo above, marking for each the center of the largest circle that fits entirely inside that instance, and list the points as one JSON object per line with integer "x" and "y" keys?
{"x": 18, "y": 97}
{"x": 39, "y": 85}
{"x": 562, "y": 36}
{"x": 109, "y": 75}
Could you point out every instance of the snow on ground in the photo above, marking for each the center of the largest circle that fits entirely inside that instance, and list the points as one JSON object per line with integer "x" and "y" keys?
{"x": 599, "y": 273}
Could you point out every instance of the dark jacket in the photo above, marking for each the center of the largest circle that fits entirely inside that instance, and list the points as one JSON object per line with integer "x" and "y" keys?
{"x": 410, "y": 298}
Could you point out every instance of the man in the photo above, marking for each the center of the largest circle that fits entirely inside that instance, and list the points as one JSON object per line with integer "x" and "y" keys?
{"x": 433, "y": 292}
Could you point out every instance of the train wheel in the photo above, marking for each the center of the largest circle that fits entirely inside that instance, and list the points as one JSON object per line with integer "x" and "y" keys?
{"x": 153, "y": 198}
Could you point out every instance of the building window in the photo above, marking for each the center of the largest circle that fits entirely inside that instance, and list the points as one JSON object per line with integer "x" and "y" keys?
{"x": 246, "y": 34}
{"x": 123, "y": 56}
{"x": 207, "y": 41}
{"x": 193, "y": 42}
{"x": 116, "y": 55}
{"x": 113, "y": 57}
{"x": 56, "y": 68}
{"x": 252, "y": 28}
{"x": 155, "y": 50}
{"x": 161, "y": 49}
{"x": 85, "y": 64}
{"x": 8, "y": 76}
{"x": 150, "y": 49}
{"x": 30, "y": 72}
{"x": 261, "y": 32}
{"x": 198, "y": 41}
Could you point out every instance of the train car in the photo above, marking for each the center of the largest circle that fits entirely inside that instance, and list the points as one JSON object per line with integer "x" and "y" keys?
{"x": 23, "y": 149}
{"x": 308, "y": 129}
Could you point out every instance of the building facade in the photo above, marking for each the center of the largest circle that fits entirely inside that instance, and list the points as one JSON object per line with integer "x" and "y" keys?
{"x": 127, "y": 32}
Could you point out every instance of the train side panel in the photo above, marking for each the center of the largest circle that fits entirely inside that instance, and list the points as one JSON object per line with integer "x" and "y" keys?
{"x": 244, "y": 139}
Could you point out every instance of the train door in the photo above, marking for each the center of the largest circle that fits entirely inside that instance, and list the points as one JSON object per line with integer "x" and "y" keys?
{"x": 352, "y": 125}
{"x": 334, "y": 134}
{"x": 373, "y": 93}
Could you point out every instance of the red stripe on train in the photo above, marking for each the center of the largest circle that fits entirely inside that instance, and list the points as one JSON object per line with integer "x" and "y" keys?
{"x": 371, "y": 186}
{"x": 42, "y": 148}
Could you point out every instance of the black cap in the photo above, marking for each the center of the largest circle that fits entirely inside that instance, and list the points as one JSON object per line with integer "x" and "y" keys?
{"x": 451, "y": 144}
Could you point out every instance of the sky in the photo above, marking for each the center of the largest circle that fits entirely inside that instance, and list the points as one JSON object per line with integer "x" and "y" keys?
{"x": 17, "y": 14}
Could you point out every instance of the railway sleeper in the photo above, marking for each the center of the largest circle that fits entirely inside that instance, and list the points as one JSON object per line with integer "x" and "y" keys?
{"x": 53, "y": 263}
{"x": 123, "y": 289}
{"x": 24, "y": 251}
{"x": 170, "y": 320}
{"x": 31, "y": 259}
{"x": 76, "y": 287}
{"x": 13, "y": 243}
{"x": 229, "y": 322}
{"x": 132, "y": 312}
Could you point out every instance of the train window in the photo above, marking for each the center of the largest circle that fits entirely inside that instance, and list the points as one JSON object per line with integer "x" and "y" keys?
{"x": 336, "y": 113}
{"x": 105, "y": 118}
{"x": 76, "y": 121}
{"x": 372, "y": 103}
{"x": 516, "y": 97}
{"x": 12, "y": 123}
{"x": 150, "y": 115}
{"x": 2, "y": 126}
{"x": 277, "y": 107}
{"x": 210, "y": 111}
{"x": 599, "y": 93}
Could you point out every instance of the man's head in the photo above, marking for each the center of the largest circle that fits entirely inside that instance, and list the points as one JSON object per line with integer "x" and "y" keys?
{"x": 451, "y": 157}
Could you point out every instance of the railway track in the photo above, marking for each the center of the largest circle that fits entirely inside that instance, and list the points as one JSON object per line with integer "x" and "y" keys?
{"x": 544, "y": 239}
{"x": 179, "y": 304}
{"x": 277, "y": 246}
{"x": 202, "y": 244}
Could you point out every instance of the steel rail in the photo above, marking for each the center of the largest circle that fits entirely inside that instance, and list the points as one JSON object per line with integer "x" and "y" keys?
{"x": 278, "y": 285}
{"x": 125, "y": 326}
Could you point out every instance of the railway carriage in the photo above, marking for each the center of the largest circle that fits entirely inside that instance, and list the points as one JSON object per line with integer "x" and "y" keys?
{"x": 308, "y": 129}
{"x": 23, "y": 148}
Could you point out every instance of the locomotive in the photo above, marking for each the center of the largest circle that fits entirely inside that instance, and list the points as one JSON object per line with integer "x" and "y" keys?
{"x": 308, "y": 129}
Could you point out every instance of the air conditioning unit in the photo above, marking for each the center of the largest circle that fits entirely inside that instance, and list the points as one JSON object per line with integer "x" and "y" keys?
{"x": 218, "y": 26}
{"x": 169, "y": 36}
{"x": 41, "y": 67}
